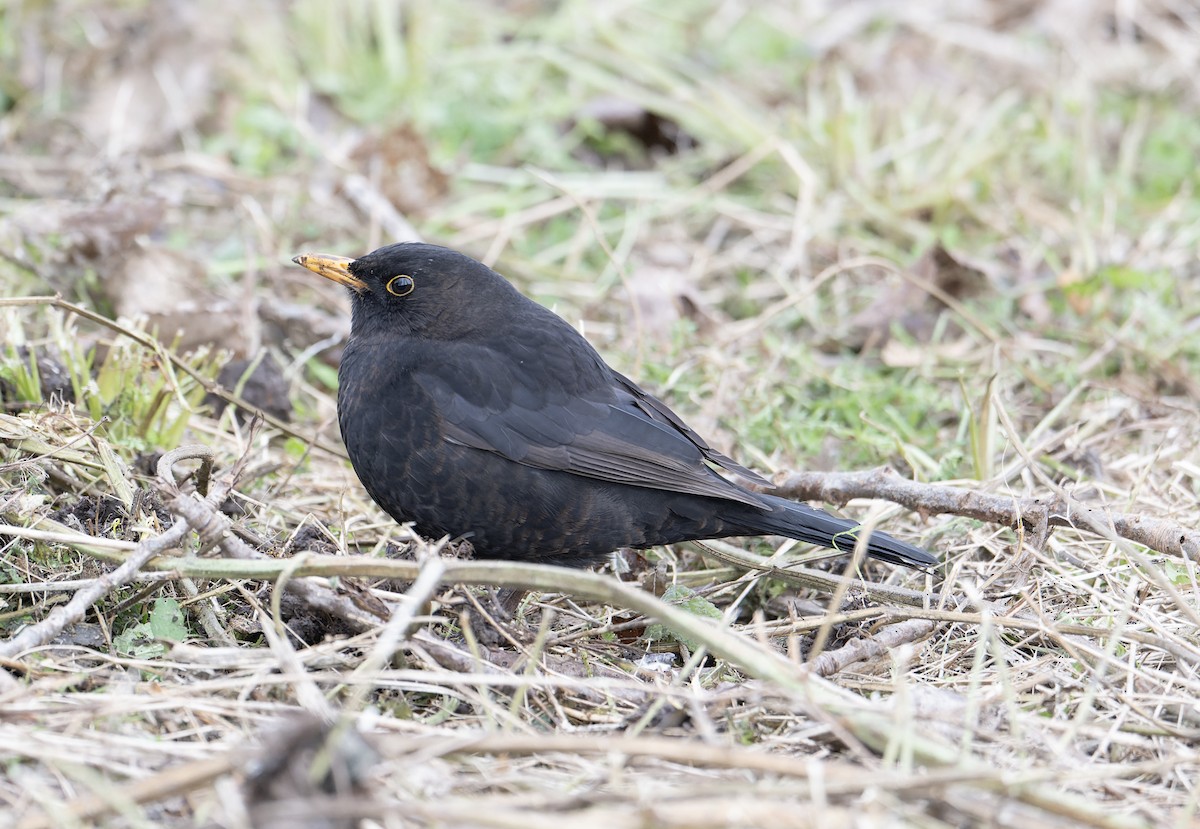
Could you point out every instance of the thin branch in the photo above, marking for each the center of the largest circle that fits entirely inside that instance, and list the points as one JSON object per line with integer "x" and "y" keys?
{"x": 872, "y": 647}
{"x": 1158, "y": 534}
{"x": 62, "y": 617}
{"x": 73, "y": 611}
{"x": 820, "y": 580}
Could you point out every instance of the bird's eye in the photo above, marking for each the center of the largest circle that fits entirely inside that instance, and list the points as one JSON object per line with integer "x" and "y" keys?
{"x": 401, "y": 285}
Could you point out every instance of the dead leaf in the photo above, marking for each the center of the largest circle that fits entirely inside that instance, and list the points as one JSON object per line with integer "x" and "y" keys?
{"x": 259, "y": 382}
{"x": 912, "y": 308}
{"x": 610, "y": 115}
{"x": 397, "y": 163}
{"x": 660, "y": 287}
{"x": 168, "y": 289}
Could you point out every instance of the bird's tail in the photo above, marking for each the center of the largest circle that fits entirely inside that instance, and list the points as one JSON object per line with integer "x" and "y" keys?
{"x": 804, "y": 523}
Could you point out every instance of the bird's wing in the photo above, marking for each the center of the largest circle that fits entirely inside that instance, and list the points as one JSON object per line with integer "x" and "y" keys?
{"x": 557, "y": 419}
{"x": 659, "y": 411}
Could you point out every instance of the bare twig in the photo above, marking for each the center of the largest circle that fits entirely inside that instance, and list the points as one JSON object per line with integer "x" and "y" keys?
{"x": 818, "y": 579}
{"x": 214, "y": 529}
{"x": 873, "y": 647}
{"x": 203, "y": 516}
{"x": 73, "y": 611}
{"x": 931, "y": 499}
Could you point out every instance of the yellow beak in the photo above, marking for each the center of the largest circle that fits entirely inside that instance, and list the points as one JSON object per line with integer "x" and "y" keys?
{"x": 332, "y": 267}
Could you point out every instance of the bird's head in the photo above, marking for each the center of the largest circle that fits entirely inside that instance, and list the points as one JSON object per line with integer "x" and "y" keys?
{"x": 419, "y": 290}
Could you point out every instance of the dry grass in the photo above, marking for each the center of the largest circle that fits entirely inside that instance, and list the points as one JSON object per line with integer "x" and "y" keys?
{"x": 960, "y": 243}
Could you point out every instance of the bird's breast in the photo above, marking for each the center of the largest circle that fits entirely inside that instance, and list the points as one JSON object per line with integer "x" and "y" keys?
{"x": 388, "y": 423}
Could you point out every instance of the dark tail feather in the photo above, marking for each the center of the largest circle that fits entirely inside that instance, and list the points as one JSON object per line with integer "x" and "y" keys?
{"x": 804, "y": 523}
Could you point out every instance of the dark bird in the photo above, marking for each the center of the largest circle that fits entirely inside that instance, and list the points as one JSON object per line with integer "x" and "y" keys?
{"x": 476, "y": 413}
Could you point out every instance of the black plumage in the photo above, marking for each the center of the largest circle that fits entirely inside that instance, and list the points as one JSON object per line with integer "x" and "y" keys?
{"x": 474, "y": 412}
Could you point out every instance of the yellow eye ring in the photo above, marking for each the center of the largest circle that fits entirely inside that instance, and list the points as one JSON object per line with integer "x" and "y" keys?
{"x": 401, "y": 285}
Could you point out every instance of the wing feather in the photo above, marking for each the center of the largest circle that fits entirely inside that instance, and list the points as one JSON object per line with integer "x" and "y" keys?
{"x": 603, "y": 426}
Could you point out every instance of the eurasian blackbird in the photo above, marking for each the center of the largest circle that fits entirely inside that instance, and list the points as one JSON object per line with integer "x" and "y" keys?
{"x": 476, "y": 413}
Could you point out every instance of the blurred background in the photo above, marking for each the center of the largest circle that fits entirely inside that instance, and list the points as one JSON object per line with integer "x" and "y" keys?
{"x": 752, "y": 206}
